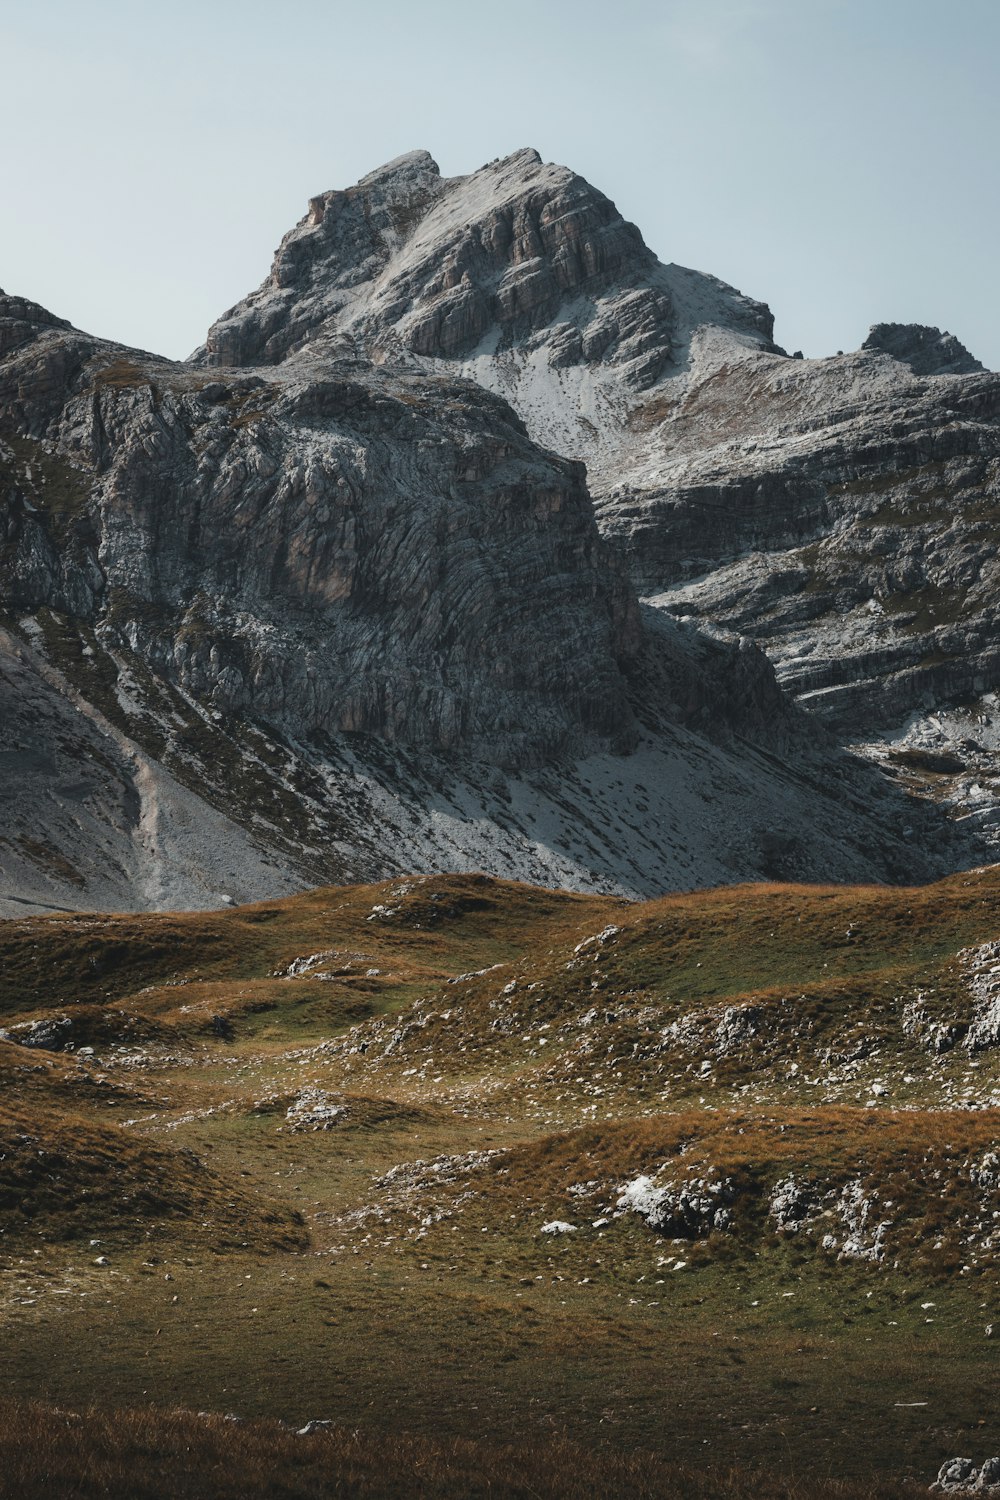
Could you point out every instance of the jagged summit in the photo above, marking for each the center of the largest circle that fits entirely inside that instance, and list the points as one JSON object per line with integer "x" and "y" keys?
{"x": 926, "y": 350}
{"x": 521, "y": 257}
{"x": 21, "y": 320}
{"x": 521, "y": 276}
{"x": 409, "y": 164}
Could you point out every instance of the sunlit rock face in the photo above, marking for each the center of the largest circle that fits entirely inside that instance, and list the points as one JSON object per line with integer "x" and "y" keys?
{"x": 522, "y": 258}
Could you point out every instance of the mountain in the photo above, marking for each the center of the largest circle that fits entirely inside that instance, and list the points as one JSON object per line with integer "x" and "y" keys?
{"x": 314, "y": 605}
{"x": 331, "y": 605}
{"x": 520, "y": 276}
{"x": 840, "y": 512}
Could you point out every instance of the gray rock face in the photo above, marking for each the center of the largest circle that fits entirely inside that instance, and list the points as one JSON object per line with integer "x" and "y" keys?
{"x": 837, "y": 511}
{"x": 853, "y": 541}
{"x": 88, "y": 818}
{"x": 843, "y": 514}
{"x": 20, "y": 322}
{"x": 522, "y": 255}
{"x": 927, "y": 351}
{"x": 231, "y": 531}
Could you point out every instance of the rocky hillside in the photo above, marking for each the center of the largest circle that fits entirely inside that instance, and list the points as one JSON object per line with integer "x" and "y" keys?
{"x": 838, "y": 510}
{"x": 315, "y": 605}
{"x": 486, "y": 1147}
{"x": 842, "y": 512}
{"x": 233, "y": 529}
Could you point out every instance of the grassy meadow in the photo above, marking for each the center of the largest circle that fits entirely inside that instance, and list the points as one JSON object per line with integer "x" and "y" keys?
{"x": 360, "y": 1156}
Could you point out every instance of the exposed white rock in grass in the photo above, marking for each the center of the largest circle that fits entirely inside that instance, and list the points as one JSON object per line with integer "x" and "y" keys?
{"x": 313, "y": 1109}
{"x": 688, "y": 1209}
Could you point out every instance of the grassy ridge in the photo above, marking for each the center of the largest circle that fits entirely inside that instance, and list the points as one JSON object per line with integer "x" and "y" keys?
{"x": 317, "y": 1143}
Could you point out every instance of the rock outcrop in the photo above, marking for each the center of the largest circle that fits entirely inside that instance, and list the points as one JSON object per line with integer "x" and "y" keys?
{"x": 927, "y": 351}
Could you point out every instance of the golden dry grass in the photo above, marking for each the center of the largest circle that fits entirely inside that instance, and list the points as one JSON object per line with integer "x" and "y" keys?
{"x": 153, "y": 1455}
{"x": 64, "y": 1177}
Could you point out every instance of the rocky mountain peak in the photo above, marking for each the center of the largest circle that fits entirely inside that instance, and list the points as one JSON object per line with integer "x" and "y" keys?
{"x": 362, "y": 604}
{"x": 410, "y": 165}
{"x": 21, "y": 320}
{"x": 926, "y": 350}
{"x": 521, "y": 257}
{"x": 392, "y": 198}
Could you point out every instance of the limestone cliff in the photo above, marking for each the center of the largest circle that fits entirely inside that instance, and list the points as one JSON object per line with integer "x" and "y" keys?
{"x": 365, "y": 552}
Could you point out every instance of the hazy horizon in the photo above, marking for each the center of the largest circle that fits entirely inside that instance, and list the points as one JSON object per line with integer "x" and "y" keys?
{"x": 834, "y": 164}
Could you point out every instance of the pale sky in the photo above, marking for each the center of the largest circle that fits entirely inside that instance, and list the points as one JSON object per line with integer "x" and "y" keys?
{"x": 834, "y": 158}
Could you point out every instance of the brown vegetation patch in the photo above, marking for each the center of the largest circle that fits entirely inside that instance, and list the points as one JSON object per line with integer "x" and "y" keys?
{"x": 159, "y": 1455}
{"x": 63, "y": 1178}
{"x": 122, "y": 375}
